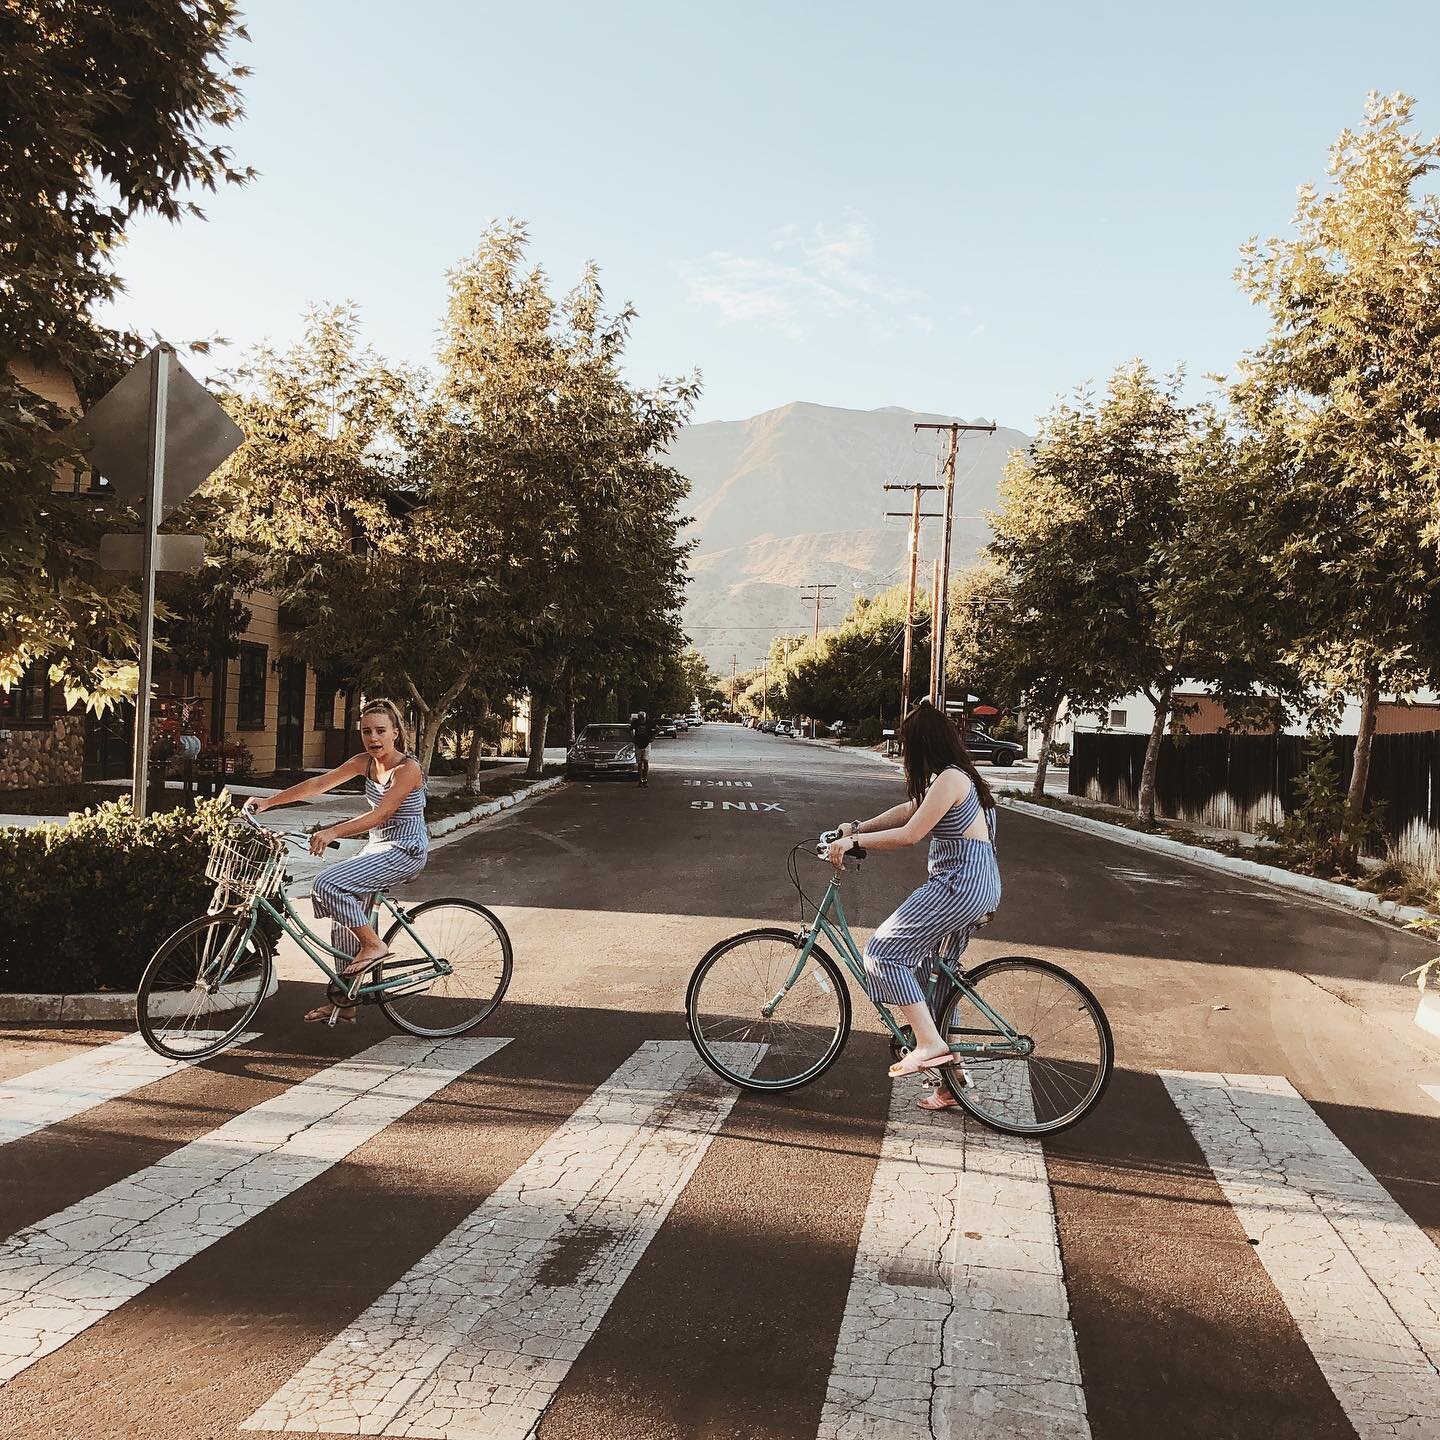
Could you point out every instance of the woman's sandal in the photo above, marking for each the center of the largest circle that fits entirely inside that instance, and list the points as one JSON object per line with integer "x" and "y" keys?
{"x": 359, "y": 967}
{"x": 320, "y": 1015}
{"x": 938, "y": 1100}
{"x": 909, "y": 1065}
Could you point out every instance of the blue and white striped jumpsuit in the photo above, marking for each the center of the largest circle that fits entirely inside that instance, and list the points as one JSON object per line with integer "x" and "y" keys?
{"x": 964, "y": 887}
{"x": 395, "y": 851}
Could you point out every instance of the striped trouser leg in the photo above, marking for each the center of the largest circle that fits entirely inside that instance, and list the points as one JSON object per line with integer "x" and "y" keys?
{"x": 942, "y": 906}
{"x": 344, "y": 892}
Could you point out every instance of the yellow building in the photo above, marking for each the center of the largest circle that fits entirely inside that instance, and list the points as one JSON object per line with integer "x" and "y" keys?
{"x": 288, "y": 717}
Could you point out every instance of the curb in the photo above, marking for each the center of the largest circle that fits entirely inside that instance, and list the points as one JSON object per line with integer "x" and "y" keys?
{"x": 1345, "y": 896}
{"x": 96, "y": 1005}
{"x": 120, "y": 1004}
{"x": 483, "y": 811}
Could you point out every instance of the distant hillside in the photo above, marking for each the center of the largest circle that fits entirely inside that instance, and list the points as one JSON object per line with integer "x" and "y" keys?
{"x": 796, "y": 495}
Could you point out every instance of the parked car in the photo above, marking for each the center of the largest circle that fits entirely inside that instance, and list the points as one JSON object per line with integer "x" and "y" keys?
{"x": 603, "y": 750}
{"x": 667, "y": 726}
{"x": 784, "y": 727}
{"x": 986, "y": 748}
{"x": 767, "y": 727}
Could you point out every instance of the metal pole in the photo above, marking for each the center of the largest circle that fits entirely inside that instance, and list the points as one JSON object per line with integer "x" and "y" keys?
{"x": 935, "y": 697}
{"x": 154, "y": 500}
{"x": 910, "y": 607}
{"x": 943, "y": 623}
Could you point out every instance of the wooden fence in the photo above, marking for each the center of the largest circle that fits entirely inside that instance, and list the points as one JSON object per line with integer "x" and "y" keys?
{"x": 1235, "y": 781}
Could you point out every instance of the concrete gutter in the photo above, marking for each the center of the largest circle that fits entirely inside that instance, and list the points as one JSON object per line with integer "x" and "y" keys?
{"x": 109, "y": 1005}
{"x": 1346, "y": 896}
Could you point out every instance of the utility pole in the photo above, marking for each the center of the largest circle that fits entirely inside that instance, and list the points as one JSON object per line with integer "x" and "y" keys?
{"x": 936, "y": 697}
{"x": 915, "y": 518}
{"x": 817, "y": 597}
{"x": 941, "y": 620}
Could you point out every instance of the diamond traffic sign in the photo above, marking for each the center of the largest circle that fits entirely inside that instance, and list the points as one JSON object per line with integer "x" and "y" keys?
{"x": 198, "y": 434}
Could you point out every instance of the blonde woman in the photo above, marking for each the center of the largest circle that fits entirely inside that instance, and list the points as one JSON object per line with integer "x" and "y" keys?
{"x": 397, "y": 850}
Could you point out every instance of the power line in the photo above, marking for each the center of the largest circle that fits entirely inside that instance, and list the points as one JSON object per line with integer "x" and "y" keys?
{"x": 817, "y": 597}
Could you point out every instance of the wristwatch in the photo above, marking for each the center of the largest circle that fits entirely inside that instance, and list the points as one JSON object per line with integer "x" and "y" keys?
{"x": 854, "y": 827}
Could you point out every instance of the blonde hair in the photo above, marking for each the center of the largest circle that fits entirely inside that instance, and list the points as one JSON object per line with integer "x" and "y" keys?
{"x": 391, "y": 710}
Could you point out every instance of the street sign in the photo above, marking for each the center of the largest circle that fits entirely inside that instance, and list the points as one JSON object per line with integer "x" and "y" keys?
{"x": 172, "y": 552}
{"x": 155, "y": 436}
{"x": 198, "y": 433}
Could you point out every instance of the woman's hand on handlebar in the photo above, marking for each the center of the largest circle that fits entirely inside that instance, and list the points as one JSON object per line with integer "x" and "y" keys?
{"x": 837, "y": 850}
{"x": 255, "y": 804}
{"x": 321, "y": 840}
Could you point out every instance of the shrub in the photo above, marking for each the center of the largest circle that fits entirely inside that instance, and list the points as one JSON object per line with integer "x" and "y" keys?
{"x": 1322, "y": 834}
{"x": 227, "y": 757}
{"x": 87, "y": 903}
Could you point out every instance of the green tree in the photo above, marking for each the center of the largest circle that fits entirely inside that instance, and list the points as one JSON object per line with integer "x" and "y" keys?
{"x": 539, "y": 383}
{"x": 1335, "y": 501}
{"x": 109, "y": 115}
{"x": 1092, "y": 515}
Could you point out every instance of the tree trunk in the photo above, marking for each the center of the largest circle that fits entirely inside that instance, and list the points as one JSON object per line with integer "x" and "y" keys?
{"x": 1364, "y": 739}
{"x": 1145, "y": 806}
{"x": 1042, "y": 765}
{"x": 472, "y": 758}
{"x": 539, "y": 724}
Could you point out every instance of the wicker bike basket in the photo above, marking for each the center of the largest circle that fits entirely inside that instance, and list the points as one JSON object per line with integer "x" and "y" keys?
{"x": 245, "y": 863}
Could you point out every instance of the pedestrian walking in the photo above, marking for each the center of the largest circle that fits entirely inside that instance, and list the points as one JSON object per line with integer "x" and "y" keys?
{"x": 642, "y": 732}
{"x": 398, "y": 847}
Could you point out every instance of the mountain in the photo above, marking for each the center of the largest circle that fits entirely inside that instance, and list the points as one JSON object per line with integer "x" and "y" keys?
{"x": 796, "y": 495}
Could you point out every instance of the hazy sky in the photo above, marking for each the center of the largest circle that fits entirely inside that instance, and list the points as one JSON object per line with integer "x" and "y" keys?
{"x": 951, "y": 207}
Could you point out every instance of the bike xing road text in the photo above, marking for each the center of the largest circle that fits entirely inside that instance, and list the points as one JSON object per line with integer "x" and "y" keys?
{"x": 449, "y": 966}
{"x": 1033, "y": 1038}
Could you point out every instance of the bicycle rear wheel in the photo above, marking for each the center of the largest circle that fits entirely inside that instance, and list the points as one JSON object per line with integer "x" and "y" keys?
{"x": 725, "y": 1010}
{"x": 475, "y": 945}
{"x": 203, "y": 986}
{"x": 1069, "y": 1055}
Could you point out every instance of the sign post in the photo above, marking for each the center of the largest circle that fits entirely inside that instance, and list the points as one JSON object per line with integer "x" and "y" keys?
{"x": 157, "y": 362}
{"x": 155, "y": 436}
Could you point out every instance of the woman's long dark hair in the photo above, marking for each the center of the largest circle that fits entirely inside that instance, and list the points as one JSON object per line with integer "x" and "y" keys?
{"x": 930, "y": 743}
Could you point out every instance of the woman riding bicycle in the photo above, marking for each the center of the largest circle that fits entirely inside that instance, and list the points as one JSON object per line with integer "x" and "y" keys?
{"x": 397, "y": 850}
{"x": 951, "y": 803}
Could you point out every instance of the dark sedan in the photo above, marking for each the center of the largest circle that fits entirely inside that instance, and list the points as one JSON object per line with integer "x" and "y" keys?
{"x": 987, "y": 750}
{"x": 603, "y": 750}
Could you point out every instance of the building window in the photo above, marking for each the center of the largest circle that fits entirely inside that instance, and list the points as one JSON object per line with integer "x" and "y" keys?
{"x": 1118, "y": 719}
{"x": 29, "y": 700}
{"x": 325, "y": 692}
{"x": 253, "y": 670}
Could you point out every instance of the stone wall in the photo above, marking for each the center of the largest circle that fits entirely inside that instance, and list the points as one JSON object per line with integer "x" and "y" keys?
{"x": 52, "y": 756}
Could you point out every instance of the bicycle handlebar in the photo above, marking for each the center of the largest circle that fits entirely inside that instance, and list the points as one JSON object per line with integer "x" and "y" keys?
{"x": 298, "y": 835}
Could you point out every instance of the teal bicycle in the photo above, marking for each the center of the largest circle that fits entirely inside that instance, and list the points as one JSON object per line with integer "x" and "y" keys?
{"x": 448, "y": 969}
{"x": 1033, "y": 1041}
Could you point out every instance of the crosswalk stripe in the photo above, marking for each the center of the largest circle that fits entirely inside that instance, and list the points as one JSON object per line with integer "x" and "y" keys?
{"x": 44, "y": 1097}
{"x": 958, "y": 1321}
{"x": 478, "y": 1336}
{"x": 1359, "y": 1277}
{"x": 63, "y": 1275}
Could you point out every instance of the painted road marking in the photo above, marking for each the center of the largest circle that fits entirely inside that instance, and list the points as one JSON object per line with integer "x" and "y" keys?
{"x": 746, "y": 805}
{"x": 958, "y": 1321}
{"x": 1433, "y": 1091}
{"x": 1359, "y": 1277}
{"x": 56, "y": 1092}
{"x": 735, "y": 784}
{"x": 59, "y": 1277}
{"x": 478, "y": 1337}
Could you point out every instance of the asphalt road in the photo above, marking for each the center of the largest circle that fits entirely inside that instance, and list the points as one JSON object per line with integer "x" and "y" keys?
{"x": 580, "y": 1233}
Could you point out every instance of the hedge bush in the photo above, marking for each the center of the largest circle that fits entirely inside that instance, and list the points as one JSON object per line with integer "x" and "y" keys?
{"x": 84, "y": 905}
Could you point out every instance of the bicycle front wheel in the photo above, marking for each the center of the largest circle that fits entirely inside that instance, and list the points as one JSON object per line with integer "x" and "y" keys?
{"x": 203, "y": 986}
{"x": 476, "y": 947}
{"x": 1060, "y": 1070}
{"x": 754, "y": 1032}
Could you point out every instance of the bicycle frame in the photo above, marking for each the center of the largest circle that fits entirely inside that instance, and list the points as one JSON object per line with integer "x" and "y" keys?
{"x": 830, "y": 921}
{"x": 290, "y": 922}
